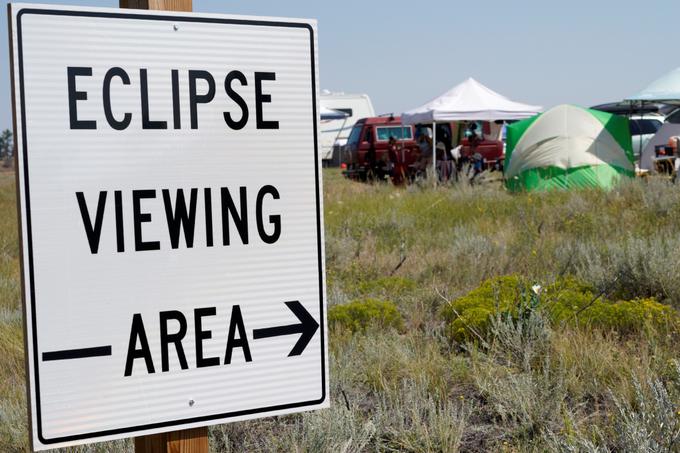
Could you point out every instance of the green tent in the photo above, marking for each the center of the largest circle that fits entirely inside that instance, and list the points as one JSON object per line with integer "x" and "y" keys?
{"x": 566, "y": 147}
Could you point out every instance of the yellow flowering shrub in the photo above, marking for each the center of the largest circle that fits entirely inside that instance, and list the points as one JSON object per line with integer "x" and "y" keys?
{"x": 361, "y": 314}
{"x": 565, "y": 301}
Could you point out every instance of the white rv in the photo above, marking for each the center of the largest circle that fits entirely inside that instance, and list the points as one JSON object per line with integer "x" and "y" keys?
{"x": 334, "y": 132}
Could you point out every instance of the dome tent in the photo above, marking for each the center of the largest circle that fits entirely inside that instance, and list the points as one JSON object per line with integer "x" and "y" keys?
{"x": 567, "y": 147}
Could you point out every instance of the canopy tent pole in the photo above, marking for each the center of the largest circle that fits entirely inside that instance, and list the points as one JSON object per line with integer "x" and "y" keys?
{"x": 630, "y": 119}
{"x": 434, "y": 152}
{"x": 642, "y": 104}
{"x": 403, "y": 155}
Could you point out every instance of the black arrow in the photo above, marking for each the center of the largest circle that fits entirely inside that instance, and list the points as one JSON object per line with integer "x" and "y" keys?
{"x": 307, "y": 328}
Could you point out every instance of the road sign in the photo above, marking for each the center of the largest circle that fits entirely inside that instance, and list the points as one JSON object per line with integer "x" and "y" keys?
{"x": 171, "y": 219}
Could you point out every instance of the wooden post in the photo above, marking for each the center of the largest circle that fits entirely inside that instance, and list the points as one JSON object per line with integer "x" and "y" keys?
{"x": 185, "y": 440}
{"x": 167, "y": 5}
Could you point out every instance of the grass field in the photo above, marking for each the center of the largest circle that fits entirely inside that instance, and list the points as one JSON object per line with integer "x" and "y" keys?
{"x": 432, "y": 352}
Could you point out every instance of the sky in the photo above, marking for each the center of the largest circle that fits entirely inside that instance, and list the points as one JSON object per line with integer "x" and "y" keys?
{"x": 402, "y": 54}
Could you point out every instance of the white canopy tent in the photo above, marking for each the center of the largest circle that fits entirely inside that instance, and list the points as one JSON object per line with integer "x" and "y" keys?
{"x": 665, "y": 89}
{"x": 467, "y": 101}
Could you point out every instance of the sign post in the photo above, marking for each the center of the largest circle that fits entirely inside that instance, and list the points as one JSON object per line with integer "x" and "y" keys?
{"x": 171, "y": 224}
{"x": 182, "y": 441}
{"x": 186, "y": 440}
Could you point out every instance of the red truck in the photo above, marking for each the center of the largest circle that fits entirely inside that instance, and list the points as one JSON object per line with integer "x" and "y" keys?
{"x": 375, "y": 133}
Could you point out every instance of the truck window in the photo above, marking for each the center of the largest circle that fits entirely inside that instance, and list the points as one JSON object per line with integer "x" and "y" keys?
{"x": 673, "y": 118}
{"x": 353, "y": 138}
{"x": 644, "y": 126}
{"x": 398, "y": 132}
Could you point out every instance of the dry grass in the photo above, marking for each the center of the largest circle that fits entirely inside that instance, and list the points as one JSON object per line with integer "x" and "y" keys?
{"x": 533, "y": 387}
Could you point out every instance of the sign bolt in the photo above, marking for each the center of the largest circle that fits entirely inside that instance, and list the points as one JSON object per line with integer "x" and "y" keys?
{"x": 191, "y": 403}
{"x": 175, "y": 27}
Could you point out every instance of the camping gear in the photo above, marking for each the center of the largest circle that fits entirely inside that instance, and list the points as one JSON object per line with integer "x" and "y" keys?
{"x": 568, "y": 147}
{"x": 649, "y": 153}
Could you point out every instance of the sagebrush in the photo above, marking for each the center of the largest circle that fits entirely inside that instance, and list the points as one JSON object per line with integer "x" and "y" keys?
{"x": 586, "y": 362}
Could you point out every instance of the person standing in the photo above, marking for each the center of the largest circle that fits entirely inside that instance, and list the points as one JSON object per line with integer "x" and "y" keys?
{"x": 457, "y": 164}
{"x": 477, "y": 166}
{"x": 398, "y": 172}
{"x": 371, "y": 160}
{"x": 425, "y": 147}
{"x": 444, "y": 162}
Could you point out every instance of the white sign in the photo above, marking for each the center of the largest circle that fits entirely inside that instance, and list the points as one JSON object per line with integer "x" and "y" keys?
{"x": 171, "y": 219}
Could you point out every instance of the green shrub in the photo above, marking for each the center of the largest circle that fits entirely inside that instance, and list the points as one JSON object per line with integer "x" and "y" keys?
{"x": 571, "y": 301}
{"x": 566, "y": 301}
{"x": 387, "y": 286}
{"x": 361, "y": 314}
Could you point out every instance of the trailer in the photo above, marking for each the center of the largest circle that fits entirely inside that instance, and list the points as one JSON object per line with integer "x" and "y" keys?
{"x": 334, "y": 132}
